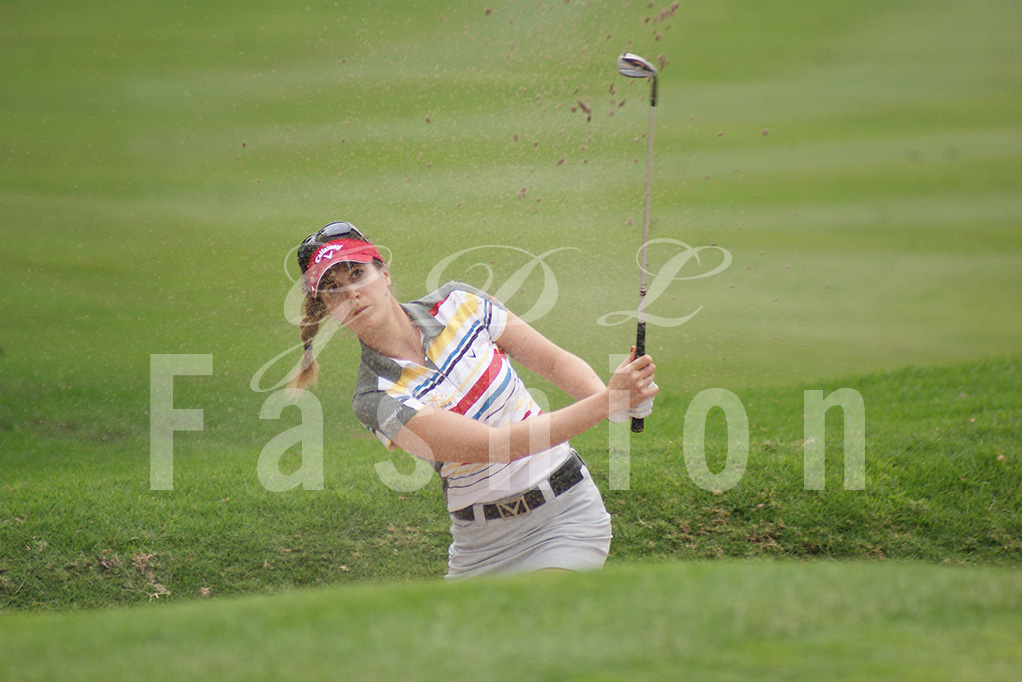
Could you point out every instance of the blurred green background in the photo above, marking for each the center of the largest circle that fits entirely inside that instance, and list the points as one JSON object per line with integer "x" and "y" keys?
{"x": 859, "y": 160}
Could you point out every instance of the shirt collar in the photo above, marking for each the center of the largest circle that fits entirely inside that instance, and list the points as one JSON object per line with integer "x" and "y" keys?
{"x": 423, "y": 320}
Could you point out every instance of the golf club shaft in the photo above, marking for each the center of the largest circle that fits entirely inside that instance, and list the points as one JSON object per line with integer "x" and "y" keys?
{"x": 640, "y": 333}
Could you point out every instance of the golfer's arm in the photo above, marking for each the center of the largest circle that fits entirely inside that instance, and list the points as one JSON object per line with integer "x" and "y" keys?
{"x": 445, "y": 436}
{"x": 538, "y": 354}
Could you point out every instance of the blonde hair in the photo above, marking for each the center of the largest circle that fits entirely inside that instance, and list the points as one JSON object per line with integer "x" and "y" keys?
{"x": 315, "y": 311}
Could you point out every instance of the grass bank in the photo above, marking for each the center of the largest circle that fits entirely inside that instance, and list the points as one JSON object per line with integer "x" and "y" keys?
{"x": 694, "y": 621}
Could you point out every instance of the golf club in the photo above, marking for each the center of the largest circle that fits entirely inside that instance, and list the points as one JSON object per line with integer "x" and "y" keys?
{"x": 634, "y": 66}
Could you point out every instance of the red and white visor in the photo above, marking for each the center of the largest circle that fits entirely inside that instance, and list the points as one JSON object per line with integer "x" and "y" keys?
{"x": 337, "y": 251}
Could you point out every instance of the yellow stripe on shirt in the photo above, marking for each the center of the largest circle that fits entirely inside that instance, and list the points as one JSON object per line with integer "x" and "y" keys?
{"x": 464, "y": 312}
{"x": 408, "y": 375}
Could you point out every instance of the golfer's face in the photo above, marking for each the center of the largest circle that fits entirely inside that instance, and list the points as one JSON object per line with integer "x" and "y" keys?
{"x": 355, "y": 293}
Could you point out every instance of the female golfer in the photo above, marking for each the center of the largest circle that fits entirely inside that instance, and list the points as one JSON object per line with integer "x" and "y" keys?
{"x": 435, "y": 381}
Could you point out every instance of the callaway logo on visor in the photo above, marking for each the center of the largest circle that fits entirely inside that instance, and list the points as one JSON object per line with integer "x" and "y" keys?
{"x": 327, "y": 252}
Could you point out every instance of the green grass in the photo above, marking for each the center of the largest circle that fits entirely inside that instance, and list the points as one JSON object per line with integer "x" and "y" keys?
{"x": 943, "y": 482}
{"x": 702, "y": 621}
{"x": 860, "y": 161}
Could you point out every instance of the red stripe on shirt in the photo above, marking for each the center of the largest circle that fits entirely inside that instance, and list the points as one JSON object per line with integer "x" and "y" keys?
{"x": 479, "y": 388}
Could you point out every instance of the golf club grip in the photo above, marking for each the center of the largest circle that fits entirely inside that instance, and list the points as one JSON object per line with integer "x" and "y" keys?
{"x": 640, "y": 350}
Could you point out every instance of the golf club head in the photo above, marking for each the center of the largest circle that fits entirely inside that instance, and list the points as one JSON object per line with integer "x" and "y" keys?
{"x": 634, "y": 66}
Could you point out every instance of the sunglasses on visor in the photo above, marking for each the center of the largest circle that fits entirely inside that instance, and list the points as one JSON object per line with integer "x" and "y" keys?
{"x": 339, "y": 230}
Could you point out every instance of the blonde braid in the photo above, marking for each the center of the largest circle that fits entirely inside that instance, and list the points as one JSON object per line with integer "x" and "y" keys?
{"x": 315, "y": 311}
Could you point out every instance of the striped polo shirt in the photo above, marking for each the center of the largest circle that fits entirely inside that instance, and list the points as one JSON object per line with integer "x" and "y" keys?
{"x": 463, "y": 370}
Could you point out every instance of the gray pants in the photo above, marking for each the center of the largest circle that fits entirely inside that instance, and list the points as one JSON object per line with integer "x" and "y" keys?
{"x": 570, "y": 531}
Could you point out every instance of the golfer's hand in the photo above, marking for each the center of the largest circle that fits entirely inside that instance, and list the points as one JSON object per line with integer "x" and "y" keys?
{"x": 632, "y": 388}
{"x": 643, "y": 409}
{"x": 640, "y": 411}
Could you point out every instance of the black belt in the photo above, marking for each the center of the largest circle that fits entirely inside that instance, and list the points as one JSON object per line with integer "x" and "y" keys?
{"x": 561, "y": 480}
